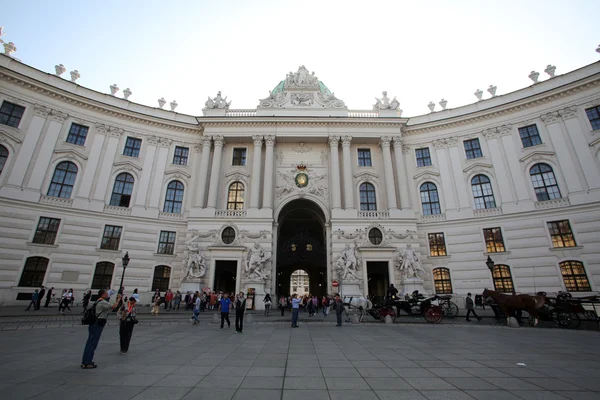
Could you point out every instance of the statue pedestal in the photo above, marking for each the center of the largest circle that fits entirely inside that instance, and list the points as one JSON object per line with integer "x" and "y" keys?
{"x": 190, "y": 286}
{"x": 350, "y": 290}
{"x": 259, "y": 293}
{"x": 409, "y": 285}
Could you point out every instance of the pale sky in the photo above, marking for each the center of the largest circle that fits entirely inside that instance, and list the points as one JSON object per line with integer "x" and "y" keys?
{"x": 419, "y": 51}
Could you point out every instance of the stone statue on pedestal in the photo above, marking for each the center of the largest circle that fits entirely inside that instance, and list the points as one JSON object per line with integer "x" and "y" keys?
{"x": 385, "y": 104}
{"x": 408, "y": 264}
{"x": 218, "y": 102}
{"x": 194, "y": 264}
{"x": 346, "y": 264}
{"x": 256, "y": 259}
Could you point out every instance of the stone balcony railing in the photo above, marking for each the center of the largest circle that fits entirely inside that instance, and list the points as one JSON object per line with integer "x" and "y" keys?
{"x": 362, "y": 114}
{"x": 432, "y": 218}
{"x": 230, "y": 213}
{"x": 543, "y": 205}
{"x": 170, "y": 216}
{"x": 373, "y": 214}
{"x": 56, "y": 201}
{"x": 117, "y": 210}
{"x": 240, "y": 113}
{"x": 487, "y": 212}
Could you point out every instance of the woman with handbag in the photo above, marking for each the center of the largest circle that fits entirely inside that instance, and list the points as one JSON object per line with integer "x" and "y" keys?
{"x": 267, "y": 301}
{"x": 127, "y": 315}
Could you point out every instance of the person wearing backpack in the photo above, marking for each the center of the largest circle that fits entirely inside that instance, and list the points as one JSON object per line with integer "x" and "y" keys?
{"x": 127, "y": 317}
{"x": 95, "y": 318}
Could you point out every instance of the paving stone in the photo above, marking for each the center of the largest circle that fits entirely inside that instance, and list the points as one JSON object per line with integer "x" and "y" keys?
{"x": 473, "y": 383}
{"x": 271, "y": 382}
{"x": 449, "y": 372}
{"x": 179, "y": 380}
{"x": 414, "y": 373}
{"x": 215, "y": 393}
{"x": 255, "y": 394}
{"x": 377, "y": 373}
{"x": 346, "y": 383}
{"x": 305, "y": 395}
{"x": 266, "y": 371}
{"x": 387, "y": 383}
{"x": 429, "y": 383}
{"x": 399, "y": 395}
{"x": 445, "y": 395}
{"x": 160, "y": 393}
{"x": 568, "y": 395}
{"x": 304, "y": 383}
{"x": 352, "y": 395}
{"x": 492, "y": 395}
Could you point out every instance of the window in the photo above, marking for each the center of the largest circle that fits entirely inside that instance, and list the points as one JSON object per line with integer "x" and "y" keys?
{"x": 77, "y": 134}
{"x": 375, "y": 236}
{"x": 441, "y": 280}
{"x": 228, "y": 235}
{"x": 162, "y": 276}
{"x": 482, "y": 192}
{"x": 181, "y": 155}
{"x": 593, "y": 115}
{"x": 166, "y": 242}
{"x": 11, "y": 114}
{"x": 544, "y": 182}
{"x": 235, "y": 196}
{"x": 34, "y": 272}
{"x": 63, "y": 180}
{"x": 46, "y": 230}
{"x": 239, "y": 156}
{"x": 574, "y": 276}
{"x": 530, "y": 136}
{"x": 423, "y": 157}
{"x": 132, "y": 147}
{"x": 3, "y": 157}
{"x": 561, "y": 234}
{"x": 121, "y": 194}
{"x": 174, "y": 198}
{"x": 494, "y": 242}
{"x": 437, "y": 244}
{"x": 111, "y": 237}
{"x": 368, "y": 201}
{"x": 472, "y": 148}
{"x": 364, "y": 158}
{"x": 103, "y": 275}
{"x": 503, "y": 282}
{"x": 430, "y": 199}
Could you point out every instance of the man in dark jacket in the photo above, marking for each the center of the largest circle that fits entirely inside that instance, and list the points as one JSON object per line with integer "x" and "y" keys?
{"x": 40, "y": 297}
{"x": 49, "y": 296}
{"x": 470, "y": 307}
{"x": 240, "y": 307}
{"x": 339, "y": 309}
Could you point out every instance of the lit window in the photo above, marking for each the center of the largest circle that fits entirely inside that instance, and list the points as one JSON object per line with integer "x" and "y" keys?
{"x": 482, "y": 192}
{"x": 111, "y": 237}
{"x": 364, "y": 158}
{"x": 77, "y": 134}
{"x": 63, "y": 180}
{"x": 502, "y": 279}
{"x": 441, "y": 280}
{"x": 11, "y": 114}
{"x": 121, "y": 194}
{"x": 530, "y": 136}
{"x": 368, "y": 200}
{"x": 166, "y": 242}
{"x": 544, "y": 182}
{"x": 472, "y": 148}
{"x": 132, "y": 147}
{"x": 423, "y": 157}
{"x": 46, "y": 230}
{"x": 174, "y": 198}
{"x": 235, "y": 196}
{"x": 181, "y": 155}
{"x": 437, "y": 244}
{"x": 162, "y": 278}
{"x": 561, "y": 234}
{"x": 430, "y": 199}
{"x": 494, "y": 242}
{"x": 574, "y": 276}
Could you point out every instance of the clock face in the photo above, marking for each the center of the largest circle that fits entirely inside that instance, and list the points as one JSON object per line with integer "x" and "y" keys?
{"x": 301, "y": 180}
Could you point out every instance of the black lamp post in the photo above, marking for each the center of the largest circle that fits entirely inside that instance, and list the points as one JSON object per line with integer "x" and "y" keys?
{"x": 125, "y": 261}
{"x": 490, "y": 264}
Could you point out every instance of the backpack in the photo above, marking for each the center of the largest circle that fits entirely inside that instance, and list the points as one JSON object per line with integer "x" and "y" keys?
{"x": 89, "y": 317}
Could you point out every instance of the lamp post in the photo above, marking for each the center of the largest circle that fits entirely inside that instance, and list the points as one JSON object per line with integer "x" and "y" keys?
{"x": 125, "y": 261}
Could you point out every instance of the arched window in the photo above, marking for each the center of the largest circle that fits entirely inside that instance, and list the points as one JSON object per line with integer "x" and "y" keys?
{"x": 503, "y": 282}
{"x": 368, "y": 201}
{"x": 441, "y": 280}
{"x": 121, "y": 194}
{"x": 544, "y": 182}
{"x": 430, "y": 199}
{"x": 103, "y": 275}
{"x": 63, "y": 180}
{"x": 482, "y": 192}
{"x": 3, "y": 157}
{"x": 574, "y": 275}
{"x": 235, "y": 196}
{"x": 34, "y": 272}
{"x": 161, "y": 279}
{"x": 174, "y": 198}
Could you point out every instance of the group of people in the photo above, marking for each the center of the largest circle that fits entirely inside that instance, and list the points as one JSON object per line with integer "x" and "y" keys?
{"x": 172, "y": 301}
{"x": 67, "y": 298}
{"x": 311, "y": 305}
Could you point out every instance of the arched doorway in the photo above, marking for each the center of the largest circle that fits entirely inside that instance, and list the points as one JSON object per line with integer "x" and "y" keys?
{"x": 300, "y": 282}
{"x": 301, "y": 245}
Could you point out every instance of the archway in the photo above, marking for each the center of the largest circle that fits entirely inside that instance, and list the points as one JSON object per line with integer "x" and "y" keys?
{"x": 301, "y": 245}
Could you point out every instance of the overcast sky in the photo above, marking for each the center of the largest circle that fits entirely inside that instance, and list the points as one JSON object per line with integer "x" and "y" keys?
{"x": 419, "y": 51}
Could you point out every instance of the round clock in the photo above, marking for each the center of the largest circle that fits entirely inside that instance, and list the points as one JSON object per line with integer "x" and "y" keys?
{"x": 301, "y": 180}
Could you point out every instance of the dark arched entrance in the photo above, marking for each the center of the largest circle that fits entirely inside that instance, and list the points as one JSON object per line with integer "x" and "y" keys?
{"x": 301, "y": 244}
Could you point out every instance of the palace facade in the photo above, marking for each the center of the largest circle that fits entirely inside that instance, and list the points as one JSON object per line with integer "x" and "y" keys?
{"x": 239, "y": 199}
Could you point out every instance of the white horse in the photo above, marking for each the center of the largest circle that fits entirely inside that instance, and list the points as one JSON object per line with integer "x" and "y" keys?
{"x": 358, "y": 303}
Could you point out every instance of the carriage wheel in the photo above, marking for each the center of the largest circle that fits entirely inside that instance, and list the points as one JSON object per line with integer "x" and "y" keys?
{"x": 576, "y": 321}
{"x": 434, "y": 315}
{"x": 562, "y": 318}
{"x": 450, "y": 309}
{"x": 590, "y": 315}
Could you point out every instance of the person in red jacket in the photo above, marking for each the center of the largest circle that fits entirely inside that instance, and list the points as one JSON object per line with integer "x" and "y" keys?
{"x": 169, "y": 300}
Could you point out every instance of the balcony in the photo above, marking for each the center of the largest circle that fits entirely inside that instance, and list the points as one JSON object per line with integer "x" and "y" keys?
{"x": 544, "y": 205}
{"x": 373, "y": 214}
{"x": 230, "y": 213}
{"x": 117, "y": 210}
{"x": 432, "y": 218}
{"x": 56, "y": 201}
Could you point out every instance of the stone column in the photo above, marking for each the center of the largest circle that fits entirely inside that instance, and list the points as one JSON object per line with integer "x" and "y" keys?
{"x": 256, "y": 161}
{"x": 159, "y": 175}
{"x": 388, "y": 171}
{"x": 391, "y": 272}
{"x": 581, "y": 146}
{"x": 215, "y": 171}
{"x": 203, "y": 171}
{"x": 335, "y": 172}
{"x": 274, "y": 280}
{"x": 42, "y": 160}
{"x": 328, "y": 246}
{"x": 92, "y": 165}
{"x": 148, "y": 159}
{"x": 348, "y": 187}
{"x": 448, "y": 185}
{"x": 494, "y": 142}
{"x": 269, "y": 162}
{"x": 401, "y": 174}
{"x": 110, "y": 153}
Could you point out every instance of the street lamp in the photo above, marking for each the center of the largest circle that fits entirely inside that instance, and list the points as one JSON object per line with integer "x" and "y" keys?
{"x": 490, "y": 264}
{"x": 125, "y": 261}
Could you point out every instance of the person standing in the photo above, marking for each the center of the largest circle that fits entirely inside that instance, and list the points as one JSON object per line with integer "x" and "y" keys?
{"x": 325, "y": 305}
{"x": 339, "y": 309}
{"x": 110, "y": 293}
{"x": 168, "y": 299}
{"x": 86, "y": 300}
{"x": 295, "y": 309}
{"x": 49, "y": 297}
{"x": 224, "y": 306}
{"x": 101, "y": 307}
{"x": 177, "y": 301}
{"x": 470, "y": 307}
{"x": 127, "y": 316}
{"x": 282, "y": 304}
{"x": 155, "y": 304}
{"x": 267, "y": 301}
{"x": 240, "y": 307}
{"x": 34, "y": 299}
{"x": 136, "y": 295}
{"x": 40, "y": 297}
{"x": 196, "y": 309}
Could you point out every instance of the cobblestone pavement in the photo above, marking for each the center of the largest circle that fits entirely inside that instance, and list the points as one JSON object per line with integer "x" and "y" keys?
{"x": 316, "y": 361}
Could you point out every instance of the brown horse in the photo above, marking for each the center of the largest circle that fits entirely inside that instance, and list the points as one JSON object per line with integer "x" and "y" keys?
{"x": 511, "y": 303}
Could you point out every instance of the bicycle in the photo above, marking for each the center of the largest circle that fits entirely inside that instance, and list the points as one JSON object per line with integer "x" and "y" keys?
{"x": 450, "y": 308}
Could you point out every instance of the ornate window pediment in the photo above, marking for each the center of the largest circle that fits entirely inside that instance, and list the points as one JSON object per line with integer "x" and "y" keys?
{"x": 366, "y": 176}
{"x": 127, "y": 165}
{"x": 479, "y": 165}
{"x": 538, "y": 155}
{"x": 71, "y": 154}
{"x": 179, "y": 173}
{"x": 8, "y": 138}
{"x": 427, "y": 174}
{"x": 237, "y": 174}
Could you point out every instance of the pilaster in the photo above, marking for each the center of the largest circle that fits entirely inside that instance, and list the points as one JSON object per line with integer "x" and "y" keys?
{"x": 256, "y": 161}
{"x": 348, "y": 187}
{"x": 215, "y": 172}
{"x": 401, "y": 175}
{"x": 203, "y": 172}
{"x": 268, "y": 181}
{"x": 335, "y": 172}
{"x": 388, "y": 171}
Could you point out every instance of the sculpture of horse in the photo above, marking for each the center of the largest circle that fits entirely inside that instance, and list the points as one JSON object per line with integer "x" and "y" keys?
{"x": 511, "y": 303}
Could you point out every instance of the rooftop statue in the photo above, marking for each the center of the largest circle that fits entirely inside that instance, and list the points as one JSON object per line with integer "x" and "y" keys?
{"x": 385, "y": 104}
{"x": 217, "y": 103}
{"x": 301, "y": 79}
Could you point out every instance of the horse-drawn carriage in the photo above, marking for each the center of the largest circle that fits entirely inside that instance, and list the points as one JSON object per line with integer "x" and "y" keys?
{"x": 417, "y": 306}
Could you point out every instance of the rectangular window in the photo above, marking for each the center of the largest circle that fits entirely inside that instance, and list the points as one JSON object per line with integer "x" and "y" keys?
{"x": 364, "y": 158}
{"x": 11, "y": 114}
{"x": 472, "y": 148}
{"x": 181, "y": 155}
{"x": 132, "y": 147}
{"x": 46, "y": 230}
{"x": 561, "y": 234}
{"x": 593, "y": 115}
{"x": 77, "y": 134}
{"x": 111, "y": 237}
{"x": 437, "y": 245}
{"x": 530, "y": 136}
{"x": 423, "y": 157}
{"x": 239, "y": 156}
{"x": 494, "y": 242}
{"x": 166, "y": 242}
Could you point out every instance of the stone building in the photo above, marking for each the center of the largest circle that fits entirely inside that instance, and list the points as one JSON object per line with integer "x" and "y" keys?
{"x": 239, "y": 199}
